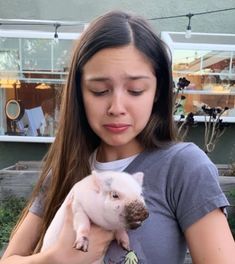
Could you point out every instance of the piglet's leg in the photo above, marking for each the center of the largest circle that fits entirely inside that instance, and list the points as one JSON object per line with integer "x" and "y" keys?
{"x": 122, "y": 238}
{"x": 81, "y": 224}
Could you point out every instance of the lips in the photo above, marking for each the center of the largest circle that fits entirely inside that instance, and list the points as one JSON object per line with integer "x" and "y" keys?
{"x": 116, "y": 128}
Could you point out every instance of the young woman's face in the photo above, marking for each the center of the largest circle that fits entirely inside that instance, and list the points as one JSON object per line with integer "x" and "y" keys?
{"x": 118, "y": 87}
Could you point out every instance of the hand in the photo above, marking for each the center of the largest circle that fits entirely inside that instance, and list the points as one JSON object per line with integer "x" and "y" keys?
{"x": 63, "y": 252}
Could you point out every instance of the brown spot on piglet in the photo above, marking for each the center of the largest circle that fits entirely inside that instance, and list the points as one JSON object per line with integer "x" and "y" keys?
{"x": 135, "y": 213}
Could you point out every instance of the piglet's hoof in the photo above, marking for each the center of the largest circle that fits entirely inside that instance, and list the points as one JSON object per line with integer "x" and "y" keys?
{"x": 124, "y": 244}
{"x": 81, "y": 244}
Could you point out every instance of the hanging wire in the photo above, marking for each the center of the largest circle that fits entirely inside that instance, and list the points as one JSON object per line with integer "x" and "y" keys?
{"x": 190, "y": 15}
{"x": 193, "y": 14}
{"x": 25, "y": 22}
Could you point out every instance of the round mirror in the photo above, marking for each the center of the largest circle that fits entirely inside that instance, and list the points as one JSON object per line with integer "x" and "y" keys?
{"x": 14, "y": 110}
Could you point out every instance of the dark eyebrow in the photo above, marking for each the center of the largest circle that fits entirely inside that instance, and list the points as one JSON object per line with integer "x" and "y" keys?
{"x": 138, "y": 77}
{"x": 97, "y": 79}
{"x": 104, "y": 79}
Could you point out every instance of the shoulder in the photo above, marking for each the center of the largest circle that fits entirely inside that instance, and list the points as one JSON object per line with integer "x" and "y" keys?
{"x": 176, "y": 161}
{"x": 190, "y": 154}
{"x": 180, "y": 152}
{"x": 188, "y": 159}
{"x": 180, "y": 161}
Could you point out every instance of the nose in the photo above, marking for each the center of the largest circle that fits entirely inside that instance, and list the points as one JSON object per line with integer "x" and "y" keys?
{"x": 135, "y": 213}
{"x": 116, "y": 105}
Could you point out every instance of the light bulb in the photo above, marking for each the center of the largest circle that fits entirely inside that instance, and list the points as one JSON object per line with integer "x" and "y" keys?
{"x": 188, "y": 33}
{"x": 56, "y": 40}
{"x": 86, "y": 25}
{"x": 189, "y": 29}
{"x": 56, "y": 37}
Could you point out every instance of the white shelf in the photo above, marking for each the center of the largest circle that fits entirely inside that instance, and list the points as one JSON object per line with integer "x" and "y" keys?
{"x": 26, "y": 139}
{"x": 226, "y": 119}
{"x": 207, "y": 92}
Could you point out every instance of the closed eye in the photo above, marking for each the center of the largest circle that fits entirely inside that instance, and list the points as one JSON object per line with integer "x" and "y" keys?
{"x": 100, "y": 93}
{"x": 135, "y": 92}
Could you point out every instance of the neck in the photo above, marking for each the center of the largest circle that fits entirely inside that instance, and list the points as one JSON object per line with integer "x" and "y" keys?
{"x": 106, "y": 153}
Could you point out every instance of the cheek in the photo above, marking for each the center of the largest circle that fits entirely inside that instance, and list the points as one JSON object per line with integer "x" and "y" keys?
{"x": 93, "y": 116}
{"x": 117, "y": 207}
{"x": 88, "y": 105}
{"x": 114, "y": 206}
{"x": 143, "y": 112}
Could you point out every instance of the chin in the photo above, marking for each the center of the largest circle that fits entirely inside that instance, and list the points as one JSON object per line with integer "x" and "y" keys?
{"x": 118, "y": 142}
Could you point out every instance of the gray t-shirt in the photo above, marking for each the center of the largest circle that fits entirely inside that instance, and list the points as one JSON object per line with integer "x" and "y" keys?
{"x": 180, "y": 187}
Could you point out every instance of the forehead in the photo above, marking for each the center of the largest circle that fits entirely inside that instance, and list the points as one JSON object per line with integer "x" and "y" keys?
{"x": 126, "y": 60}
{"x": 132, "y": 186}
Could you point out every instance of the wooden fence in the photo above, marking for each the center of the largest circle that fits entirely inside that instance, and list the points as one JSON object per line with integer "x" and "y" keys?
{"x": 20, "y": 178}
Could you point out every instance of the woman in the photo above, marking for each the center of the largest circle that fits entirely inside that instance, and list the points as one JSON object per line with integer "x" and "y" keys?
{"x": 117, "y": 115}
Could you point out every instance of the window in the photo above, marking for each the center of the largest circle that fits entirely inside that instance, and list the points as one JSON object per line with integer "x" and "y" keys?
{"x": 32, "y": 75}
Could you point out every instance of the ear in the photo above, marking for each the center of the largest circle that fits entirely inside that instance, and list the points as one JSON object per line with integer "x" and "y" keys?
{"x": 139, "y": 177}
{"x": 102, "y": 182}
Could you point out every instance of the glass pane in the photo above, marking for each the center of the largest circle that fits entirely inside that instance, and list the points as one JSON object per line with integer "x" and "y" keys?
{"x": 40, "y": 104}
{"x": 36, "y": 54}
{"x": 194, "y": 102}
{"x": 232, "y": 73}
{"x": 216, "y": 62}
{"x": 9, "y": 58}
{"x": 187, "y": 60}
{"x": 61, "y": 56}
{"x": 206, "y": 70}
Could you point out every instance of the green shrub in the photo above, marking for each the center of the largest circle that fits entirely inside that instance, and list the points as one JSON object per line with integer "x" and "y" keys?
{"x": 10, "y": 210}
{"x": 231, "y": 210}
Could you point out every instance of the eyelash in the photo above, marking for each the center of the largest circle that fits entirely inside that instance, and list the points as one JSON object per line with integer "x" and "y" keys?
{"x": 132, "y": 92}
{"x": 100, "y": 93}
{"x": 135, "y": 93}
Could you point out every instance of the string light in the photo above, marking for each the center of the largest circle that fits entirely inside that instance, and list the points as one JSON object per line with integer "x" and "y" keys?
{"x": 56, "y": 37}
{"x": 189, "y": 29}
{"x": 190, "y": 15}
{"x": 86, "y": 25}
{"x": 195, "y": 14}
{"x": 57, "y": 24}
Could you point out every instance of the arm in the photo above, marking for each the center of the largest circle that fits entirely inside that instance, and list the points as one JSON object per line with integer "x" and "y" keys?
{"x": 63, "y": 251}
{"x": 60, "y": 253}
{"x": 210, "y": 240}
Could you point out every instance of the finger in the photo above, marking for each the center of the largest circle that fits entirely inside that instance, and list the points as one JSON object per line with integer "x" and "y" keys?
{"x": 68, "y": 212}
{"x": 106, "y": 235}
{"x": 67, "y": 233}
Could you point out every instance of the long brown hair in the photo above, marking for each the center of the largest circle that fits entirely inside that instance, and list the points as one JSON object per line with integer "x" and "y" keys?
{"x": 67, "y": 160}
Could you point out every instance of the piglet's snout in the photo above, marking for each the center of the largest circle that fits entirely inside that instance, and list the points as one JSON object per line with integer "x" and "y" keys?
{"x": 135, "y": 213}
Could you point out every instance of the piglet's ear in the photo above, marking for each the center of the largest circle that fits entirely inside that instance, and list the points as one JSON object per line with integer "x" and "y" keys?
{"x": 139, "y": 177}
{"x": 102, "y": 182}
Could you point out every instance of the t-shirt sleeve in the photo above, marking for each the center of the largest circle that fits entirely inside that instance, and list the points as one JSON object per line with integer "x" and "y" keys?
{"x": 37, "y": 206}
{"x": 197, "y": 190}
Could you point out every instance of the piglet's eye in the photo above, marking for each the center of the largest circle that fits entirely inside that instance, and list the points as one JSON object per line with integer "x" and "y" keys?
{"x": 114, "y": 195}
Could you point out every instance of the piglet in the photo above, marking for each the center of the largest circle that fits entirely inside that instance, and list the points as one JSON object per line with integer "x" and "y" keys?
{"x": 111, "y": 200}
